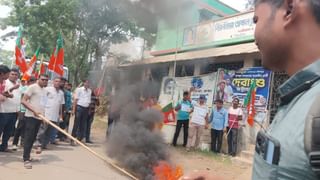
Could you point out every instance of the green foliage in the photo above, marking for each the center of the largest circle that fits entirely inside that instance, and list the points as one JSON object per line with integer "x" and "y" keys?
{"x": 88, "y": 28}
{"x": 6, "y": 57}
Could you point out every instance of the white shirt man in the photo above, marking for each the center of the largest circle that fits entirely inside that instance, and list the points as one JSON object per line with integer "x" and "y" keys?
{"x": 9, "y": 108}
{"x": 55, "y": 100}
{"x": 82, "y": 100}
{"x": 199, "y": 120}
{"x": 83, "y": 96}
{"x": 11, "y": 105}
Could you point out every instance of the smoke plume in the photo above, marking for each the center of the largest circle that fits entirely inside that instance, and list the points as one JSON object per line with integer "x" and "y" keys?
{"x": 135, "y": 142}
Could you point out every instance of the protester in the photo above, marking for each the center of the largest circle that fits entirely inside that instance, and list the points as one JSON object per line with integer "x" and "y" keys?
{"x": 53, "y": 112}
{"x": 82, "y": 99}
{"x": 9, "y": 108}
{"x": 288, "y": 36}
{"x": 54, "y": 131}
{"x": 92, "y": 108}
{"x": 34, "y": 100}
{"x": 184, "y": 109}
{"x": 19, "y": 131}
{"x": 234, "y": 117}
{"x": 199, "y": 119}
{"x": 67, "y": 110}
{"x": 219, "y": 123}
{"x": 4, "y": 74}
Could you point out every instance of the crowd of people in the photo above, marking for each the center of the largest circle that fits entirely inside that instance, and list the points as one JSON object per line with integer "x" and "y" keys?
{"x": 24, "y": 100}
{"x": 195, "y": 116}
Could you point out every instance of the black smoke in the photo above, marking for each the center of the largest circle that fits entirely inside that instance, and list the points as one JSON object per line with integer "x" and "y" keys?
{"x": 135, "y": 142}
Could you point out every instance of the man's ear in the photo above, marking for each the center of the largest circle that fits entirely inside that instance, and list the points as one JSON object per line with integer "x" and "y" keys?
{"x": 290, "y": 11}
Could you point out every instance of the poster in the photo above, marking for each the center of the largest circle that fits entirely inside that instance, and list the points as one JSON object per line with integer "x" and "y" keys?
{"x": 172, "y": 88}
{"x": 204, "y": 33}
{"x": 232, "y": 84}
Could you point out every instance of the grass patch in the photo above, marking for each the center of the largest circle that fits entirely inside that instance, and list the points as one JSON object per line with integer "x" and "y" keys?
{"x": 225, "y": 159}
{"x": 100, "y": 122}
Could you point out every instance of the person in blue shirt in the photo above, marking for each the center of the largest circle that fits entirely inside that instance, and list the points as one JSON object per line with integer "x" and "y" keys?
{"x": 219, "y": 123}
{"x": 184, "y": 108}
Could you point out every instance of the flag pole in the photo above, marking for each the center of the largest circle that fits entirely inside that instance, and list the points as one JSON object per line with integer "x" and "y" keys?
{"x": 42, "y": 57}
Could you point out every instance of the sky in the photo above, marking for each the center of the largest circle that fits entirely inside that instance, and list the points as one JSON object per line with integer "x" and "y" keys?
{"x": 9, "y": 45}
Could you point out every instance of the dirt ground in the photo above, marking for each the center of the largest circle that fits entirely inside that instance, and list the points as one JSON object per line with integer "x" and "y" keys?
{"x": 67, "y": 162}
{"x": 217, "y": 165}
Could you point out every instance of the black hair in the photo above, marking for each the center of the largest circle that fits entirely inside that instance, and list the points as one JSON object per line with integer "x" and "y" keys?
{"x": 219, "y": 101}
{"x": 4, "y": 69}
{"x": 185, "y": 93}
{"x": 85, "y": 80}
{"x": 43, "y": 75}
{"x": 314, "y": 5}
{"x": 15, "y": 70}
{"x": 32, "y": 79}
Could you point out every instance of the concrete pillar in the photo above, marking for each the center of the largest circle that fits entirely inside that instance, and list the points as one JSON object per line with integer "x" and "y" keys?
{"x": 171, "y": 70}
{"x": 248, "y": 61}
{"x": 146, "y": 73}
{"x": 197, "y": 69}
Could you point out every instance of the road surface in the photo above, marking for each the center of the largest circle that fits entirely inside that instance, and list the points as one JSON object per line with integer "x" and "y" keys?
{"x": 59, "y": 162}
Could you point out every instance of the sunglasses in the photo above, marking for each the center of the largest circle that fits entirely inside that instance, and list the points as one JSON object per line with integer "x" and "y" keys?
{"x": 44, "y": 79}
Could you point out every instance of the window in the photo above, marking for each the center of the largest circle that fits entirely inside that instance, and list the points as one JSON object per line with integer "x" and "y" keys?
{"x": 213, "y": 67}
{"x": 184, "y": 70}
{"x": 205, "y": 15}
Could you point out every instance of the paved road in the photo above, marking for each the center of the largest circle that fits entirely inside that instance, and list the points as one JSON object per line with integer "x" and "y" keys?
{"x": 59, "y": 162}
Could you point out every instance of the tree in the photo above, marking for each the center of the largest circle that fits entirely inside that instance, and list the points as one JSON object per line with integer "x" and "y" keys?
{"x": 6, "y": 57}
{"x": 88, "y": 28}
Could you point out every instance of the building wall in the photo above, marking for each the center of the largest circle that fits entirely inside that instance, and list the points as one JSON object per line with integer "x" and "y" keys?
{"x": 170, "y": 34}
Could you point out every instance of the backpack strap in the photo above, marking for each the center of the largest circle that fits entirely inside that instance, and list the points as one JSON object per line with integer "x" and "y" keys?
{"x": 312, "y": 136}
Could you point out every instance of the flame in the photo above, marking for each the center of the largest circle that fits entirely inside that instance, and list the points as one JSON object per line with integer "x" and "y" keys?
{"x": 165, "y": 171}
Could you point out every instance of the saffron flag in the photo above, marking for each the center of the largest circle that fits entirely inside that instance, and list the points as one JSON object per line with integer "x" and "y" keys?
{"x": 31, "y": 66}
{"x": 249, "y": 102}
{"x": 57, "y": 58}
{"x": 52, "y": 61}
{"x": 20, "y": 59}
{"x": 168, "y": 112}
{"x": 42, "y": 69}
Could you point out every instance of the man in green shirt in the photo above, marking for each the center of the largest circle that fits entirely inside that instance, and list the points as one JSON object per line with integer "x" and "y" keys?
{"x": 184, "y": 108}
{"x": 288, "y": 36}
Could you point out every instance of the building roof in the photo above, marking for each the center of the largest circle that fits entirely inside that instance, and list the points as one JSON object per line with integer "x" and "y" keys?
{"x": 246, "y": 48}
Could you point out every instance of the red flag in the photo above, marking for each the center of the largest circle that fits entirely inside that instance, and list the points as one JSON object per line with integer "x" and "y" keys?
{"x": 52, "y": 61}
{"x": 57, "y": 58}
{"x": 42, "y": 69}
{"x": 20, "y": 59}
{"x": 168, "y": 112}
{"x": 31, "y": 66}
{"x": 251, "y": 109}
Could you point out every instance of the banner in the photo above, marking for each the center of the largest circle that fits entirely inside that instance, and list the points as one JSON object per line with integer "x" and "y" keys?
{"x": 232, "y": 84}
{"x": 235, "y": 27}
{"x": 223, "y": 31}
{"x": 172, "y": 88}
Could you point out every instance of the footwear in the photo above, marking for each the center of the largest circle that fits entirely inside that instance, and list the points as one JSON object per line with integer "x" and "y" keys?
{"x": 55, "y": 142}
{"x": 89, "y": 142}
{"x": 27, "y": 164}
{"x": 14, "y": 147}
{"x": 38, "y": 150}
{"x": 6, "y": 150}
{"x": 72, "y": 143}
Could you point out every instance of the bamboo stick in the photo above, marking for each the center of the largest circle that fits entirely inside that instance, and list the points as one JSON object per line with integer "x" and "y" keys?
{"x": 106, "y": 160}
